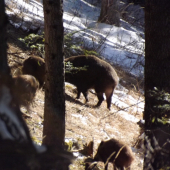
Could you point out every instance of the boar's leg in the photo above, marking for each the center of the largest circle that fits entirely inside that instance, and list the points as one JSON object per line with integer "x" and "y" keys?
{"x": 109, "y": 93}
{"x": 84, "y": 93}
{"x": 78, "y": 93}
{"x": 100, "y": 97}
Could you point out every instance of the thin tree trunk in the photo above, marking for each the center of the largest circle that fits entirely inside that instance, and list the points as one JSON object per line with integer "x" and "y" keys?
{"x": 3, "y": 46}
{"x": 54, "y": 112}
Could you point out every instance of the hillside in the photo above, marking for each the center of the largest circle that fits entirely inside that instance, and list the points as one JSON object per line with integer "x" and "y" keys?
{"x": 84, "y": 122}
{"x": 123, "y": 48}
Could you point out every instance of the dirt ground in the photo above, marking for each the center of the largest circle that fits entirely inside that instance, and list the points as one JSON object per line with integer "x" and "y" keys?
{"x": 83, "y": 121}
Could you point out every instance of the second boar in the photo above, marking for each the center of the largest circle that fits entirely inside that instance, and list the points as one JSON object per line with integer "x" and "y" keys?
{"x": 35, "y": 66}
{"x": 93, "y": 73}
{"x": 122, "y": 154}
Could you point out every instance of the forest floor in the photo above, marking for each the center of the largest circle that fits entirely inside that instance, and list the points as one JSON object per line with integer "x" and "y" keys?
{"x": 83, "y": 121}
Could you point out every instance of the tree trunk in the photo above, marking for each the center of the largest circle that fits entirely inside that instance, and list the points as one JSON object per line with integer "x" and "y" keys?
{"x": 54, "y": 111}
{"x": 157, "y": 81}
{"x": 110, "y": 12}
{"x": 4, "y": 69}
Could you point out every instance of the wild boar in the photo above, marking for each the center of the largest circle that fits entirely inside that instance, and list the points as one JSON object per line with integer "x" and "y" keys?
{"x": 24, "y": 89}
{"x": 93, "y": 73}
{"x": 122, "y": 155}
{"x": 35, "y": 66}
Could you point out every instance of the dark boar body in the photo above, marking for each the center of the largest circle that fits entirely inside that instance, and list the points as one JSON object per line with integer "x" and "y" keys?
{"x": 35, "y": 66}
{"x": 106, "y": 148}
{"x": 98, "y": 75}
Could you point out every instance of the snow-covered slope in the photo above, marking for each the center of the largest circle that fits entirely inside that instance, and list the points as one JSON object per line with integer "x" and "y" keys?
{"x": 123, "y": 45}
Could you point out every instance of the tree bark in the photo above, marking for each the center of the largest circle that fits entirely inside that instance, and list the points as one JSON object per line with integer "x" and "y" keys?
{"x": 157, "y": 78}
{"x": 54, "y": 112}
{"x": 157, "y": 60}
{"x": 110, "y": 12}
{"x": 3, "y": 46}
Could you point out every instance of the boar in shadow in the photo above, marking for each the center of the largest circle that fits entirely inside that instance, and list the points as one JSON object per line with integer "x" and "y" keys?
{"x": 35, "y": 66}
{"x": 116, "y": 152}
{"x": 24, "y": 89}
{"x": 89, "y": 72}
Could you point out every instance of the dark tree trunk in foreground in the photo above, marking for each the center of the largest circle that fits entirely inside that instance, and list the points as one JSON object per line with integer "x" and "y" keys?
{"x": 54, "y": 112}
{"x": 110, "y": 12}
{"x": 157, "y": 83}
{"x": 3, "y": 46}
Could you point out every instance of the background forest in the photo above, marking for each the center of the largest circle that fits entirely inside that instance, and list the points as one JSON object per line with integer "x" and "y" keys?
{"x": 121, "y": 45}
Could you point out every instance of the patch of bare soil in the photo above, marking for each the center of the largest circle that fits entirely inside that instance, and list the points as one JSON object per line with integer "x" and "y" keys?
{"x": 83, "y": 121}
